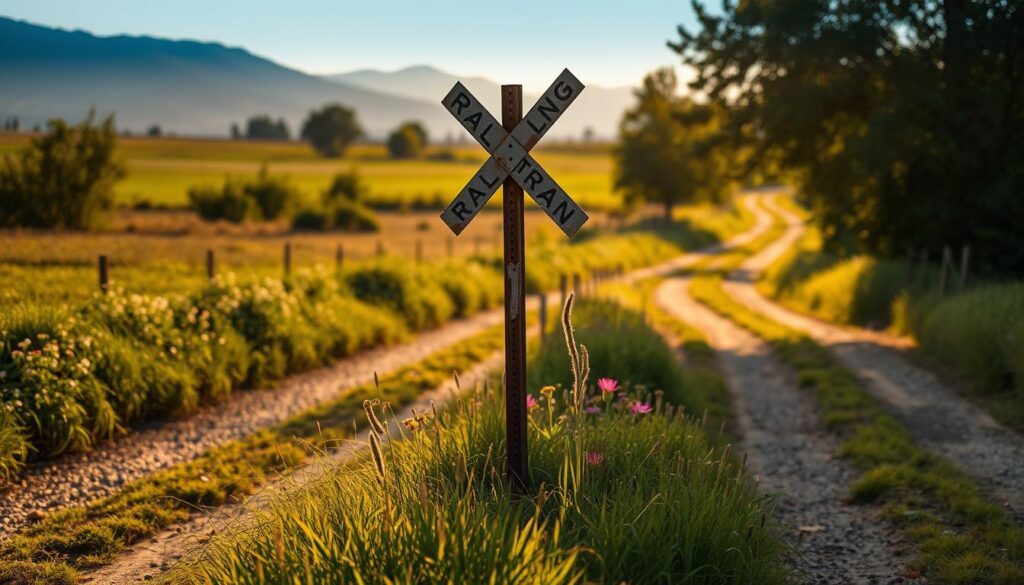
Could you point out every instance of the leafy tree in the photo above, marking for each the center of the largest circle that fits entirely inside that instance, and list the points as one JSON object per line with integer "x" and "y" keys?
{"x": 154, "y": 131}
{"x": 665, "y": 153}
{"x": 264, "y": 128}
{"x": 407, "y": 141}
{"x": 903, "y": 120}
{"x": 331, "y": 130}
{"x": 62, "y": 179}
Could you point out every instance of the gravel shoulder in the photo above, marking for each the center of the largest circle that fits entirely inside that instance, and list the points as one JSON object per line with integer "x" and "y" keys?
{"x": 937, "y": 418}
{"x": 792, "y": 457}
{"x": 147, "y": 560}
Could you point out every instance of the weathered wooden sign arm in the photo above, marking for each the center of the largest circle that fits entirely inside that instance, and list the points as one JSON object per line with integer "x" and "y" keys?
{"x": 511, "y": 165}
{"x": 510, "y": 155}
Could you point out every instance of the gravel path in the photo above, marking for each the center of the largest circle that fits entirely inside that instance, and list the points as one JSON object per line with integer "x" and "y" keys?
{"x": 793, "y": 458}
{"x": 80, "y": 478}
{"x": 937, "y": 418}
{"x": 148, "y": 559}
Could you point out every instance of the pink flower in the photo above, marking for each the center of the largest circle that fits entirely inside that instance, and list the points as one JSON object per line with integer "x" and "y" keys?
{"x": 607, "y": 385}
{"x": 531, "y": 402}
{"x": 638, "y": 407}
{"x": 591, "y": 410}
{"x": 595, "y": 458}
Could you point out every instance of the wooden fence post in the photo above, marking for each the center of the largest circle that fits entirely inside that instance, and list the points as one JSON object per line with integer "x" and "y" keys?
{"x": 210, "y": 266}
{"x": 287, "y": 259}
{"x": 965, "y": 264}
{"x": 576, "y": 283}
{"x": 104, "y": 275}
{"x": 339, "y": 257}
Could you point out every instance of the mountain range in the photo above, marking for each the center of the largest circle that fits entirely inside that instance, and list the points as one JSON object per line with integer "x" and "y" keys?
{"x": 200, "y": 88}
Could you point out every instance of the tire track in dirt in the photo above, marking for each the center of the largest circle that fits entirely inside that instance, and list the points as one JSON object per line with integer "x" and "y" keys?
{"x": 937, "y": 418}
{"x": 792, "y": 456}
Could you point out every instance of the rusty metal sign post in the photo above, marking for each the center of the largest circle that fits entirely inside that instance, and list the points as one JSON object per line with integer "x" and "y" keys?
{"x": 511, "y": 166}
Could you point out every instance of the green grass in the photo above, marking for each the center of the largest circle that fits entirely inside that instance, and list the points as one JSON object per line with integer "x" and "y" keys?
{"x": 975, "y": 337}
{"x": 659, "y": 504}
{"x": 160, "y": 170}
{"x": 962, "y": 537}
{"x": 90, "y": 536}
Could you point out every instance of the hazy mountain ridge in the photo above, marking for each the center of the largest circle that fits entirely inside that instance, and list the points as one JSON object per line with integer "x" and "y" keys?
{"x": 201, "y": 88}
{"x": 599, "y": 108}
{"x": 187, "y": 87}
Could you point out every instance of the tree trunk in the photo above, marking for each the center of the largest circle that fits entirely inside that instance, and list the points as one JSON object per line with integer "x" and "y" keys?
{"x": 668, "y": 211}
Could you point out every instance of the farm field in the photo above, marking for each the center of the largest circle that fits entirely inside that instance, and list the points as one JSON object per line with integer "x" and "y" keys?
{"x": 161, "y": 170}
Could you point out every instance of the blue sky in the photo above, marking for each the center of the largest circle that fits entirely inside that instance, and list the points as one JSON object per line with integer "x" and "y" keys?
{"x": 604, "y": 42}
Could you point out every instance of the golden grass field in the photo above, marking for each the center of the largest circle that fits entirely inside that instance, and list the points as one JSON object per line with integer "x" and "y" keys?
{"x": 160, "y": 170}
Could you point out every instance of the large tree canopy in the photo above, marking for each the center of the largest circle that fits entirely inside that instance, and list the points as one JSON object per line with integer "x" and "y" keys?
{"x": 666, "y": 153}
{"x": 332, "y": 129}
{"x": 903, "y": 120}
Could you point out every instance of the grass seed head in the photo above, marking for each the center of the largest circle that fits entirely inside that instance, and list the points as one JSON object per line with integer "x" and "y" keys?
{"x": 378, "y": 455}
{"x": 371, "y": 416}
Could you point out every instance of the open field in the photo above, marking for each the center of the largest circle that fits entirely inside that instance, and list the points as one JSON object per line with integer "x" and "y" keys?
{"x": 165, "y": 251}
{"x": 160, "y": 170}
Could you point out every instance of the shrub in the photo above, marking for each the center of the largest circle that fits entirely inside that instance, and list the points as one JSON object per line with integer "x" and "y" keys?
{"x": 229, "y": 203}
{"x": 353, "y": 217}
{"x": 264, "y": 197}
{"x": 274, "y": 196}
{"x": 62, "y": 179}
{"x": 347, "y": 185}
{"x": 311, "y": 220}
{"x": 406, "y": 289}
{"x": 14, "y": 444}
{"x": 471, "y": 286}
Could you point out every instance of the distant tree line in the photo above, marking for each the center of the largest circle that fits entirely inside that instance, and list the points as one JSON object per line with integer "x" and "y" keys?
{"x": 900, "y": 121}
{"x": 262, "y": 127}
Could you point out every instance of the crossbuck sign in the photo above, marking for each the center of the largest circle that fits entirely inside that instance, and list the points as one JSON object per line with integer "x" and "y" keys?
{"x": 511, "y": 166}
{"x": 510, "y": 155}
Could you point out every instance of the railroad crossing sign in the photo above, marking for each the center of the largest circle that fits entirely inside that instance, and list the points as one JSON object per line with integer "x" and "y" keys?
{"x": 510, "y": 155}
{"x": 511, "y": 166}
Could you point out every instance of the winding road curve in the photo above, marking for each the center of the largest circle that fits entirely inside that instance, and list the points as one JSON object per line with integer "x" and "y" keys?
{"x": 938, "y": 419}
{"x": 793, "y": 458}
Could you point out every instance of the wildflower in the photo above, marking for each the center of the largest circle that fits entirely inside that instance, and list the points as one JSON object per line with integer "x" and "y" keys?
{"x": 595, "y": 458}
{"x": 547, "y": 391}
{"x": 607, "y": 385}
{"x": 531, "y": 402}
{"x": 638, "y": 407}
{"x": 591, "y": 410}
{"x": 411, "y": 423}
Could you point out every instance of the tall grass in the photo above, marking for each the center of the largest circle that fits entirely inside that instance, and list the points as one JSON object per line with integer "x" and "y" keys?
{"x": 617, "y": 495}
{"x": 976, "y": 335}
{"x": 72, "y": 376}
